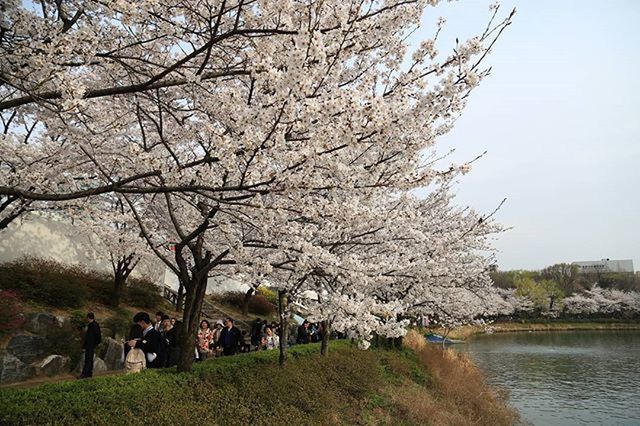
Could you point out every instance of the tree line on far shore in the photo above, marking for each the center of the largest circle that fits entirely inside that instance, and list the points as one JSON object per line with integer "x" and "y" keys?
{"x": 562, "y": 291}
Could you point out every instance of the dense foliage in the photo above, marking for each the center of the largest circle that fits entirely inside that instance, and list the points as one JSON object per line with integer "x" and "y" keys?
{"x": 66, "y": 286}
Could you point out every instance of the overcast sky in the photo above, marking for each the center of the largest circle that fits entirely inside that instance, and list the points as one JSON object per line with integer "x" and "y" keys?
{"x": 560, "y": 119}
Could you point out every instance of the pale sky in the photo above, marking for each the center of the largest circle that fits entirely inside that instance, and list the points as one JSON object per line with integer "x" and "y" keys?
{"x": 560, "y": 119}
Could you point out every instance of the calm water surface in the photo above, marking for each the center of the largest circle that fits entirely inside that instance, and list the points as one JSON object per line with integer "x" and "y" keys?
{"x": 565, "y": 378}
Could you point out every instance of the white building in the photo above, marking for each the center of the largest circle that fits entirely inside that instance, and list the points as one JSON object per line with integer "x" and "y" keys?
{"x": 605, "y": 265}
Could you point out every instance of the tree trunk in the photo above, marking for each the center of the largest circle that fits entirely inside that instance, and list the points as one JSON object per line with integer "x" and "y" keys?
{"x": 190, "y": 319}
{"x": 180, "y": 298}
{"x": 324, "y": 346}
{"x": 118, "y": 287}
{"x": 245, "y": 301}
{"x": 284, "y": 326}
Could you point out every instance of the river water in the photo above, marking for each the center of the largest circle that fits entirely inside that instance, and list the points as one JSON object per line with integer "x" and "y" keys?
{"x": 565, "y": 378}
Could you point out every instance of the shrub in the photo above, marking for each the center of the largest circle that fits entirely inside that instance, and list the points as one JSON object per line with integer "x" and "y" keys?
{"x": 77, "y": 319}
{"x": 120, "y": 323}
{"x": 269, "y": 294}
{"x": 54, "y": 284}
{"x": 66, "y": 340}
{"x": 11, "y": 315}
{"x": 258, "y": 304}
{"x": 230, "y": 298}
{"x": 45, "y": 281}
{"x": 143, "y": 294}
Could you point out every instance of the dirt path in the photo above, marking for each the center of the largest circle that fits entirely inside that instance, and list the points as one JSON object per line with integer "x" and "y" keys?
{"x": 45, "y": 380}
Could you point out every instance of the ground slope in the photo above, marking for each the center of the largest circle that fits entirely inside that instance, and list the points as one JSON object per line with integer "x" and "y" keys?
{"x": 349, "y": 386}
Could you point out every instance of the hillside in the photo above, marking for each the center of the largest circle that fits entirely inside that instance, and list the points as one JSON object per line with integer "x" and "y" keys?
{"x": 349, "y": 386}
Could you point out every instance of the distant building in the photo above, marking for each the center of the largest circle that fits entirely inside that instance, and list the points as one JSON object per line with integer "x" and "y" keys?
{"x": 605, "y": 265}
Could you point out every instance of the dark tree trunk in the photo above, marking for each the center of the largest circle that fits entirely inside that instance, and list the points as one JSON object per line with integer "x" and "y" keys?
{"x": 246, "y": 300}
{"x": 122, "y": 268}
{"x": 180, "y": 298}
{"x": 118, "y": 287}
{"x": 284, "y": 326}
{"x": 190, "y": 320}
{"x": 324, "y": 346}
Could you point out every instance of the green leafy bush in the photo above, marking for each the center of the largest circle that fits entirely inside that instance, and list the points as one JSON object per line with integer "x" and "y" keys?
{"x": 269, "y": 294}
{"x": 143, "y": 294}
{"x": 119, "y": 323}
{"x": 66, "y": 340}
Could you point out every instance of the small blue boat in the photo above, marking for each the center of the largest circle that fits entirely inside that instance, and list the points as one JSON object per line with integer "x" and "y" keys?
{"x": 436, "y": 338}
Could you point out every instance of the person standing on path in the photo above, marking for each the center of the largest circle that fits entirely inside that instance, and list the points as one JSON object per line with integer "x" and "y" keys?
{"x": 92, "y": 338}
{"x": 230, "y": 338}
{"x": 150, "y": 342}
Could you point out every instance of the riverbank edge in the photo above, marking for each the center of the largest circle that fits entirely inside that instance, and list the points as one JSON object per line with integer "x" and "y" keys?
{"x": 469, "y": 331}
{"x": 376, "y": 386}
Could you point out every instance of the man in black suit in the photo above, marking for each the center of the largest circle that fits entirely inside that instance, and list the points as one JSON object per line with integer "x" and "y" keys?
{"x": 230, "y": 338}
{"x": 150, "y": 342}
{"x": 92, "y": 338}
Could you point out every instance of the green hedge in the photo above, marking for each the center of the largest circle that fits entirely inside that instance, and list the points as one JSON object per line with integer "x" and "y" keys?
{"x": 65, "y": 286}
{"x": 244, "y": 389}
{"x": 46, "y": 282}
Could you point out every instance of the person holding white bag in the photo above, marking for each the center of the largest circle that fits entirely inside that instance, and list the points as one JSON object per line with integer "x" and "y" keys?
{"x": 150, "y": 342}
{"x": 133, "y": 359}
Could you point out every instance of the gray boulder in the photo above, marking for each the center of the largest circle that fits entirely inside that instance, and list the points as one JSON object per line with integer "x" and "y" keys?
{"x": 113, "y": 354}
{"x": 13, "y": 370}
{"x": 27, "y": 348}
{"x": 41, "y": 323}
{"x": 98, "y": 365}
{"x": 53, "y": 365}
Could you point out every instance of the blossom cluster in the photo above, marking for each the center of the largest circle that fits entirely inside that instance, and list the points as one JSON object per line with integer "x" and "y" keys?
{"x": 278, "y": 141}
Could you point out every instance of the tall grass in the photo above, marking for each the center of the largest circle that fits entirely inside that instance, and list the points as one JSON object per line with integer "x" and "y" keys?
{"x": 461, "y": 394}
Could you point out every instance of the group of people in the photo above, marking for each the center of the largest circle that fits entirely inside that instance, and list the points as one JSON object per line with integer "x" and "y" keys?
{"x": 152, "y": 344}
{"x": 156, "y": 344}
{"x": 224, "y": 339}
{"x": 309, "y": 333}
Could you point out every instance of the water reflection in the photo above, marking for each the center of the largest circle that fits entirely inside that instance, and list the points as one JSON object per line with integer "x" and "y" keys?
{"x": 565, "y": 378}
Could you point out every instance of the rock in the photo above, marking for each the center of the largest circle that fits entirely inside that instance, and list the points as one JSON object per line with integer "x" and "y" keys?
{"x": 13, "y": 370}
{"x": 113, "y": 355}
{"x": 27, "y": 348}
{"x": 61, "y": 320}
{"x": 41, "y": 323}
{"x": 53, "y": 365}
{"x": 98, "y": 365}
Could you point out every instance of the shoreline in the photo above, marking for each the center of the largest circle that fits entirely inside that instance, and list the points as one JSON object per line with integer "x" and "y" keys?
{"x": 469, "y": 331}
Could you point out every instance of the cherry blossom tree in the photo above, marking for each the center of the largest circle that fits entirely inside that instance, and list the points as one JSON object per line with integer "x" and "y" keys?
{"x": 605, "y": 302}
{"x": 224, "y": 125}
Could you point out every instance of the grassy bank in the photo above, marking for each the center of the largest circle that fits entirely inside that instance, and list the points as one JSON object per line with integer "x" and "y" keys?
{"x": 510, "y": 327}
{"x": 349, "y": 386}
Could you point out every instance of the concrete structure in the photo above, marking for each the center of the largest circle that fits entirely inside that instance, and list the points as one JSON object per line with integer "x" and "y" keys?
{"x": 605, "y": 266}
{"x": 38, "y": 237}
